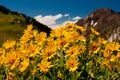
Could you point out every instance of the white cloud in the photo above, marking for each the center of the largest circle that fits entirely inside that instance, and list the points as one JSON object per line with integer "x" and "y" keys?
{"x": 66, "y": 15}
{"x": 50, "y": 20}
{"x": 76, "y": 18}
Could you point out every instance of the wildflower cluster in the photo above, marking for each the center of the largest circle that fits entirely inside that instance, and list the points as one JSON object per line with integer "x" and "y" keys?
{"x": 65, "y": 54}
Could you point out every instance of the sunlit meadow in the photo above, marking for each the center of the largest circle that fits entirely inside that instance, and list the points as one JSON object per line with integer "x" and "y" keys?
{"x": 66, "y": 54}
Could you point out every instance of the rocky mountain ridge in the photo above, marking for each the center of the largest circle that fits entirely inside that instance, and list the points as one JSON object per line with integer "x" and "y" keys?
{"x": 105, "y": 21}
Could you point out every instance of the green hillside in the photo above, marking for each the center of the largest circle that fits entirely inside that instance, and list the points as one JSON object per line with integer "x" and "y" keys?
{"x": 12, "y": 24}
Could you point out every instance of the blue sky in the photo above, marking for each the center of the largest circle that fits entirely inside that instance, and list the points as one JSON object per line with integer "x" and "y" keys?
{"x": 58, "y": 12}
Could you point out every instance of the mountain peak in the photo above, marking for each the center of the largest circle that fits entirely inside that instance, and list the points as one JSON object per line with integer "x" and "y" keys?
{"x": 107, "y": 21}
{"x": 101, "y": 12}
{"x": 104, "y": 10}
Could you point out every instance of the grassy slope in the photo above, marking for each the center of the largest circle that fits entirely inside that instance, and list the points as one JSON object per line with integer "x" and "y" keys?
{"x": 12, "y": 24}
{"x": 11, "y": 27}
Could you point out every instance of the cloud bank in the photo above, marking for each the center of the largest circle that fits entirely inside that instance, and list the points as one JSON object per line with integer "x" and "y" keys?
{"x": 48, "y": 20}
{"x": 51, "y": 20}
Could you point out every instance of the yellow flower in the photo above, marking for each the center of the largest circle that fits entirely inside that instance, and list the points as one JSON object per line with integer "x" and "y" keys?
{"x": 34, "y": 32}
{"x": 26, "y": 37}
{"x": 106, "y": 63}
{"x": 24, "y": 65}
{"x": 69, "y": 25}
{"x": 81, "y": 38}
{"x": 29, "y": 29}
{"x": 51, "y": 44}
{"x": 44, "y": 66}
{"x": 74, "y": 36}
{"x": 58, "y": 32}
{"x": 72, "y": 64}
{"x": 118, "y": 55}
{"x": 81, "y": 28}
{"x": 12, "y": 59}
{"x": 61, "y": 43}
{"x": 82, "y": 49}
{"x": 112, "y": 46}
{"x": 34, "y": 71}
{"x": 94, "y": 47}
{"x": 102, "y": 40}
{"x": 32, "y": 49}
{"x": 95, "y": 32}
{"x": 107, "y": 53}
{"x": 10, "y": 76}
{"x": 2, "y": 55}
{"x": 48, "y": 53}
{"x": 27, "y": 34}
{"x": 2, "y": 59}
{"x": 73, "y": 51}
{"x": 40, "y": 38}
{"x": 113, "y": 58}
{"x": 2, "y": 51}
{"x": 23, "y": 47}
{"x": 9, "y": 44}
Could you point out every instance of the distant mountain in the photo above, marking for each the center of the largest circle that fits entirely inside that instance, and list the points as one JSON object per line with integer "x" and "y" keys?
{"x": 12, "y": 24}
{"x": 107, "y": 23}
